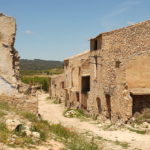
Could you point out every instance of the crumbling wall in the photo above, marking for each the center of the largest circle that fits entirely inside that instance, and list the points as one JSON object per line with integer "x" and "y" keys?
{"x": 9, "y": 59}
{"x": 57, "y": 87}
{"x": 74, "y": 71}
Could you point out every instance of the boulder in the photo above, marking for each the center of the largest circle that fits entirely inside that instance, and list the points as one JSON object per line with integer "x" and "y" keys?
{"x": 12, "y": 124}
{"x": 36, "y": 135}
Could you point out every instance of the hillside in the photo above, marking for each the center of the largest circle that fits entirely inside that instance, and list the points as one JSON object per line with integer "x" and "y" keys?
{"x": 38, "y": 64}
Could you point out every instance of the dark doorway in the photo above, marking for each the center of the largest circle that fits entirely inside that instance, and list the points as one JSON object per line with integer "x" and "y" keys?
{"x": 85, "y": 84}
{"x": 99, "y": 106}
{"x": 140, "y": 102}
{"x": 77, "y": 96}
{"x": 108, "y": 104}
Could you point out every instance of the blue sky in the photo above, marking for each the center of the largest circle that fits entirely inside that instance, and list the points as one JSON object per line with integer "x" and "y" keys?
{"x": 56, "y": 29}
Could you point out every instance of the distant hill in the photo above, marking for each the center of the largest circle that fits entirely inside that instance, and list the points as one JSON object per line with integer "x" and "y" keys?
{"x": 38, "y": 64}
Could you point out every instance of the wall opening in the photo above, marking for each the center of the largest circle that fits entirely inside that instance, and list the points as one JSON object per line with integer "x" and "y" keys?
{"x": 108, "y": 104}
{"x": 62, "y": 84}
{"x": 140, "y": 102}
{"x": 117, "y": 64}
{"x": 77, "y": 96}
{"x": 95, "y": 45}
{"x": 85, "y": 84}
{"x": 99, "y": 106}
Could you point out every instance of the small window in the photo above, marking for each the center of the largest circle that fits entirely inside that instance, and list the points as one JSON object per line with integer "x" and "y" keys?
{"x": 95, "y": 44}
{"x": 117, "y": 64}
{"x": 62, "y": 85}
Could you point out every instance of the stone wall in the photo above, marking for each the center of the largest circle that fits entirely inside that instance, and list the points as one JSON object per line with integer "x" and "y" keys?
{"x": 74, "y": 71}
{"x": 9, "y": 59}
{"x": 117, "y": 68}
{"x": 57, "y": 87}
{"x": 122, "y": 64}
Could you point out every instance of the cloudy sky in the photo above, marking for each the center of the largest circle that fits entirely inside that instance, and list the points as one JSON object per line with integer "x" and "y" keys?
{"x": 56, "y": 29}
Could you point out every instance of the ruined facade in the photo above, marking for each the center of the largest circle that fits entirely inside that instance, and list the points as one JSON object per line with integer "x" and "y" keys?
{"x": 57, "y": 87}
{"x": 9, "y": 59}
{"x": 76, "y": 68}
{"x": 122, "y": 76}
{"x": 116, "y": 71}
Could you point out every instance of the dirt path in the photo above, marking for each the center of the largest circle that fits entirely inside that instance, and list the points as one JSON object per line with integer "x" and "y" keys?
{"x": 54, "y": 114}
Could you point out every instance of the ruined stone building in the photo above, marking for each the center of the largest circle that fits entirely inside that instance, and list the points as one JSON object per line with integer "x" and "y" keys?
{"x": 9, "y": 59}
{"x": 9, "y": 69}
{"x": 75, "y": 68}
{"x": 57, "y": 87}
{"x": 112, "y": 80}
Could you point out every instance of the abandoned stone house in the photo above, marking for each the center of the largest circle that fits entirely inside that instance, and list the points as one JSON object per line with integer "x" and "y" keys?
{"x": 10, "y": 84}
{"x": 9, "y": 59}
{"x": 112, "y": 80}
{"x": 57, "y": 87}
{"x": 75, "y": 68}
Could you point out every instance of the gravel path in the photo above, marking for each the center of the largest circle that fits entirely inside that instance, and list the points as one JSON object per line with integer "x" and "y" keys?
{"x": 54, "y": 114}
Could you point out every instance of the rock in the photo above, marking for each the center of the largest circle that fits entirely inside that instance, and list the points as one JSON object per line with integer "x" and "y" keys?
{"x": 28, "y": 132}
{"x": 146, "y": 125}
{"x": 99, "y": 125}
{"x": 107, "y": 121}
{"x": 12, "y": 124}
{"x": 70, "y": 113}
{"x": 36, "y": 135}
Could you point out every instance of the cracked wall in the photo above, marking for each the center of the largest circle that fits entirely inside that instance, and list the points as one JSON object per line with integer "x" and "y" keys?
{"x": 9, "y": 59}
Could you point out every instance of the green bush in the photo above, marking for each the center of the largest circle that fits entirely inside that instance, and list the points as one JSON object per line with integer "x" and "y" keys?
{"x": 43, "y": 81}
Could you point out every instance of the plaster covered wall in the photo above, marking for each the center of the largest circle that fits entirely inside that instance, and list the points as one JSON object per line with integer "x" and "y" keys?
{"x": 138, "y": 72}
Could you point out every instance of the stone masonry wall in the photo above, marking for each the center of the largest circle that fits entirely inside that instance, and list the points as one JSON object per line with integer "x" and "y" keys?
{"x": 117, "y": 49}
{"x": 73, "y": 67}
{"x": 57, "y": 87}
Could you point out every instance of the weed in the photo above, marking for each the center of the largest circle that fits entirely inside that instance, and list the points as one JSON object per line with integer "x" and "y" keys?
{"x": 42, "y": 127}
{"x": 4, "y": 105}
{"x": 2, "y": 114}
{"x": 56, "y": 100}
{"x": 72, "y": 140}
{"x": 122, "y": 144}
{"x": 4, "y": 133}
{"x": 137, "y": 131}
{"x": 30, "y": 116}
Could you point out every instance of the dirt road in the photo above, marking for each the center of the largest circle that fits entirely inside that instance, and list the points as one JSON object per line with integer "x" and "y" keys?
{"x": 54, "y": 114}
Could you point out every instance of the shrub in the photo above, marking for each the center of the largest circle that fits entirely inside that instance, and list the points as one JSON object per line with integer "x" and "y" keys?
{"x": 43, "y": 81}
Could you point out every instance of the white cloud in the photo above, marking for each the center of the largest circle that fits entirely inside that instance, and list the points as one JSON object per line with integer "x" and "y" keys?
{"x": 28, "y": 32}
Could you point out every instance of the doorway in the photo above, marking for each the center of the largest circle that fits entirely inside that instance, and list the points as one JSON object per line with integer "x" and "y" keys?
{"x": 108, "y": 105}
{"x": 140, "y": 102}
